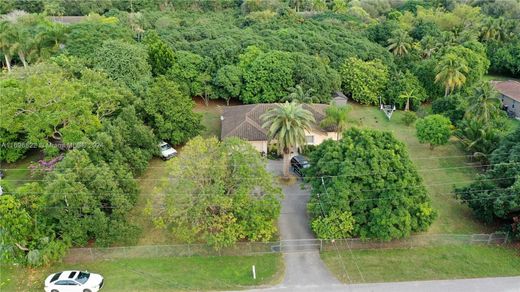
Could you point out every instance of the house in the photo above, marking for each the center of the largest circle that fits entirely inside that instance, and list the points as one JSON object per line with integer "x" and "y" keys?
{"x": 244, "y": 121}
{"x": 510, "y": 96}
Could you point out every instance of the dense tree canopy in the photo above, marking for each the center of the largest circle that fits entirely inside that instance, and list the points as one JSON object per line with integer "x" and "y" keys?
{"x": 365, "y": 81}
{"x": 434, "y": 129}
{"x": 222, "y": 194}
{"x": 383, "y": 199}
{"x": 170, "y": 112}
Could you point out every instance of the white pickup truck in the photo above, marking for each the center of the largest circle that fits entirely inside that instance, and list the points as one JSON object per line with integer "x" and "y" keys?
{"x": 166, "y": 151}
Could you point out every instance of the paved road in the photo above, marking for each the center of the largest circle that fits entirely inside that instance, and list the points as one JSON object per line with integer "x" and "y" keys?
{"x": 506, "y": 284}
{"x": 303, "y": 265}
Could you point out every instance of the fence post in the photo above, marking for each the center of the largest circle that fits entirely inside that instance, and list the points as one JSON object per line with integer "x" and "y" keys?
{"x": 321, "y": 245}
{"x": 490, "y": 236}
{"x": 92, "y": 254}
{"x": 506, "y": 238}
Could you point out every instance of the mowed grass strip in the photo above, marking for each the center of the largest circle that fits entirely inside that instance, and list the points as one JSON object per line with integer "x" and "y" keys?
{"x": 425, "y": 263}
{"x": 161, "y": 274}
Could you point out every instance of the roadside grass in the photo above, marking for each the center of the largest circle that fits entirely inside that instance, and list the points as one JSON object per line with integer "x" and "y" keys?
{"x": 424, "y": 263}
{"x": 441, "y": 169}
{"x": 161, "y": 274}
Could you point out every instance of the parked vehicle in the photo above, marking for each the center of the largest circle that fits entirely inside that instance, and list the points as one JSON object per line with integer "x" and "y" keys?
{"x": 298, "y": 163}
{"x": 166, "y": 151}
{"x": 74, "y": 281}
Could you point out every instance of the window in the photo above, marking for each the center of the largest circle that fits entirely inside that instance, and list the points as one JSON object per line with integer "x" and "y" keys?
{"x": 83, "y": 277}
{"x": 55, "y": 277}
{"x": 66, "y": 283}
{"x": 309, "y": 140}
{"x": 71, "y": 276}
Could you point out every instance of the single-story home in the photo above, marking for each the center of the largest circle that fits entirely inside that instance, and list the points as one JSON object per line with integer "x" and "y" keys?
{"x": 244, "y": 121}
{"x": 510, "y": 96}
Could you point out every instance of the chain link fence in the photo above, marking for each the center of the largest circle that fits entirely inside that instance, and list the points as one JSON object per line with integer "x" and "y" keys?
{"x": 285, "y": 246}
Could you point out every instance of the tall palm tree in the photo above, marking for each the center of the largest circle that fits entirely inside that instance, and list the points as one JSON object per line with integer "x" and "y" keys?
{"x": 399, "y": 43}
{"x": 451, "y": 72}
{"x": 287, "y": 123}
{"x": 6, "y": 42}
{"x": 488, "y": 31}
{"x": 484, "y": 104}
{"x": 336, "y": 116}
{"x": 299, "y": 95}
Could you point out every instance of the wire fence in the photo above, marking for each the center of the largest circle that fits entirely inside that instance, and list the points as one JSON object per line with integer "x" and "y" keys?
{"x": 77, "y": 255}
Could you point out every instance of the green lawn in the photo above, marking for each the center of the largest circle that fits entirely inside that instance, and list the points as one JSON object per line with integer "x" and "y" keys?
{"x": 441, "y": 169}
{"x": 161, "y": 274}
{"x": 17, "y": 173}
{"x": 425, "y": 263}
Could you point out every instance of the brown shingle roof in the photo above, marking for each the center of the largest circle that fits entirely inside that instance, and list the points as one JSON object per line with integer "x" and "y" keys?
{"x": 509, "y": 88}
{"x": 244, "y": 120}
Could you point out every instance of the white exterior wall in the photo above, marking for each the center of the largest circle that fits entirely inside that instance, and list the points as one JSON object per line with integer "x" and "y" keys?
{"x": 319, "y": 137}
{"x": 261, "y": 146}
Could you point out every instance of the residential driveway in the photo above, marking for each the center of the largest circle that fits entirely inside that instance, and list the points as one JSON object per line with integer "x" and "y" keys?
{"x": 303, "y": 265}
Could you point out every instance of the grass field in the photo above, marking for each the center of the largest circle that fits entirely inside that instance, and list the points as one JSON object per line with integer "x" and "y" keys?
{"x": 160, "y": 274}
{"x": 425, "y": 263}
{"x": 441, "y": 169}
{"x": 17, "y": 173}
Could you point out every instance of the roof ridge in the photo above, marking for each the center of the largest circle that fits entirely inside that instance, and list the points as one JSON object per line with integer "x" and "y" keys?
{"x": 252, "y": 122}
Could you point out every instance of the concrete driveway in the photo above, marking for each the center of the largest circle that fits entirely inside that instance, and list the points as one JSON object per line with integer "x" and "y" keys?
{"x": 303, "y": 265}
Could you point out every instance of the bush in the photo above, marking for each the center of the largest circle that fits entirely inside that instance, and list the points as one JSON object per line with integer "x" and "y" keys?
{"x": 409, "y": 118}
{"x": 434, "y": 129}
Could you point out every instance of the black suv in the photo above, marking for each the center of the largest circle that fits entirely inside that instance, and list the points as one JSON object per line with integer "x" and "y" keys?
{"x": 298, "y": 163}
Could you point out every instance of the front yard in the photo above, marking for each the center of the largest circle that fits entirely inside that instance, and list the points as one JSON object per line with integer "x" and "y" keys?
{"x": 159, "y": 274}
{"x": 424, "y": 263}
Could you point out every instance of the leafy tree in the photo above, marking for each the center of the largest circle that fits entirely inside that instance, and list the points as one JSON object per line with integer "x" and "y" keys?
{"x": 434, "y": 129}
{"x": 160, "y": 55}
{"x": 384, "y": 199}
{"x": 229, "y": 81}
{"x": 400, "y": 43}
{"x": 287, "y": 123}
{"x": 126, "y": 63}
{"x": 84, "y": 38}
{"x": 222, "y": 194}
{"x": 190, "y": 72}
{"x": 267, "y": 77}
{"x": 451, "y": 72}
{"x": 32, "y": 107}
{"x": 405, "y": 90}
{"x": 170, "y": 112}
{"x": 336, "y": 117}
{"x": 364, "y": 80}
{"x": 495, "y": 194}
{"x": 452, "y": 106}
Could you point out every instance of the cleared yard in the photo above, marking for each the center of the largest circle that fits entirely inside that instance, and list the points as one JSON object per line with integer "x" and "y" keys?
{"x": 160, "y": 274}
{"x": 425, "y": 263}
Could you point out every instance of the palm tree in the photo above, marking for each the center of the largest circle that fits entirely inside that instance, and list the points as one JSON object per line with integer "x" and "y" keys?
{"x": 6, "y": 42}
{"x": 299, "y": 95}
{"x": 336, "y": 116}
{"x": 287, "y": 123}
{"x": 451, "y": 72}
{"x": 484, "y": 104}
{"x": 407, "y": 95}
{"x": 399, "y": 43}
{"x": 488, "y": 31}
{"x": 429, "y": 46}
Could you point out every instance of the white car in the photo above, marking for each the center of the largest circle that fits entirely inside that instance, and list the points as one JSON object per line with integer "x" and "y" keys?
{"x": 167, "y": 151}
{"x": 73, "y": 281}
